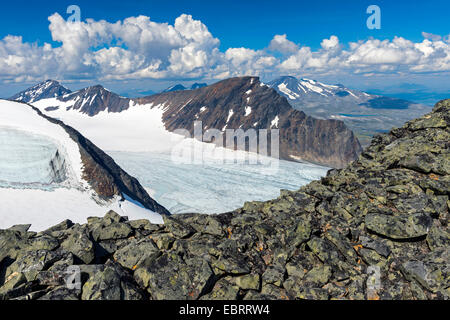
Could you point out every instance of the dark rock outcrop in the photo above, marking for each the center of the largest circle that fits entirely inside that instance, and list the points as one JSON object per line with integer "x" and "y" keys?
{"x": 377, "y": 229}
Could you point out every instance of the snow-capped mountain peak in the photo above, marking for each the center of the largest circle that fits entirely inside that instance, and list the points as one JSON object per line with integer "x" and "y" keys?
{"x": 298, "y": 89}
{"x": 364, "y": 113}
{"x": 43, "y": 90}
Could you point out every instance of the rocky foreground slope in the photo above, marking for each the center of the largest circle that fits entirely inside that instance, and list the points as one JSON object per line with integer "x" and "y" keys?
{"x": 375, "y": 230}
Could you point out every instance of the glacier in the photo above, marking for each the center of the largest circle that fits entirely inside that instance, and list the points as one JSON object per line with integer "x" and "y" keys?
{"x": 212, "y": 187}
{"x": 41, "y": 175}
{"x": 29, "y": 160}
{"x": 137, "y": 140}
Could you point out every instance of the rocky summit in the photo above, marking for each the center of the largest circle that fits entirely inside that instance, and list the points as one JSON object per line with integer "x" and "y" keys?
{"x": 377, "y": 229}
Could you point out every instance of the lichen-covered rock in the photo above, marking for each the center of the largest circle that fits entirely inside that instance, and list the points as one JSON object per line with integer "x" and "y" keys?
{"x": 44, "y": 242}
{"x": 312, "y": 294}
{"x": 378, "y": 245}
{"x": 177, "y": 227}
{"x": 248, "y": 281}
{"x": 438, "y": 237}
{"x": 432, "y": 271}
{"x": 144, "y": 226}
{"x": 224, "y": 289}
{"x": 135, "y": 252}
{"x": 231, "y": 265}
{"x": 32, "y": 262}
{"x": 104, "y": 285}
{"x": 57, "y": 229}
{"x": 12, "y": 282}
{"x": 79, "y": 244}
{"x": 111, "y": 231}
{"x": 317, "y": 277}
{"x": 274, "y": 275}
{"x": 11, "y": 243}
{"x": 399, "y": 227}
{"x": 22, "y": 228}
{"x": 170, "y": 277}
{"x": 61, "y": 293}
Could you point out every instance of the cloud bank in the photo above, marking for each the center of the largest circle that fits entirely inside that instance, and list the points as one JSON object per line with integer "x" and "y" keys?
{"x": 138, "y": 48}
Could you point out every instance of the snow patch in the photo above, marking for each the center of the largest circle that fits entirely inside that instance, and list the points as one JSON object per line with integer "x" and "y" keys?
{"x": 291, "y": 95}
{"x": 137, "y": 129}
{"x": 230, "y": 114}
{"x": 274, "y": 122}
{"x": 312, "y": 87}
{"x": 43, "y": 209}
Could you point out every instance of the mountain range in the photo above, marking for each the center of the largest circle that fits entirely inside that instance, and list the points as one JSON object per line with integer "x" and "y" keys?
{"x": 236, "y": 103}
{"x": 180, "y": 87}
{"x": 365, "y": 114}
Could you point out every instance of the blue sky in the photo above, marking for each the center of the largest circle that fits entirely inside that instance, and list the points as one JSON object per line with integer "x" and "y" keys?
{"x": 250, "y": 23}
{"x": 233, "y": 24}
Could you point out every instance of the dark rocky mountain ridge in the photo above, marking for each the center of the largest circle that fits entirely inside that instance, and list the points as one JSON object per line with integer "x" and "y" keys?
{"x": 95, "y": 99}
{"x": 377, "y": 229}
{"x": 248, "y": 104}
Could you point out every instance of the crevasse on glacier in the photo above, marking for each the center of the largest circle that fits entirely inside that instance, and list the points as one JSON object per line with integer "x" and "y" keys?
{"x": 212, "y": 187}
{"x": 29, "y": 161}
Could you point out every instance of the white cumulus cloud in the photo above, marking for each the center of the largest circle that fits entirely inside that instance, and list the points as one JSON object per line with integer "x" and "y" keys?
{"x": 139, "y": 48}
{"x": 281, "y": 44}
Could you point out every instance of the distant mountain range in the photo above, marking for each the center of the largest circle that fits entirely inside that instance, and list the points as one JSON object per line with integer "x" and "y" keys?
{"x": 180, "y": 87}
{"x": 235, "y": 103}
{"x": 366, "y": 114}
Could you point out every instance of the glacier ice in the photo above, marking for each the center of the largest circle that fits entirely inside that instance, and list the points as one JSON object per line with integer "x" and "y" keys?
{"x": 29, "y": 160}
{"x": 212, "y": 187}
